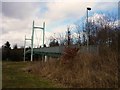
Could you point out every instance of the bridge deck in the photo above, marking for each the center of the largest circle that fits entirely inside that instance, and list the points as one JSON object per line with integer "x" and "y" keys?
{"x": 58, "y": 50}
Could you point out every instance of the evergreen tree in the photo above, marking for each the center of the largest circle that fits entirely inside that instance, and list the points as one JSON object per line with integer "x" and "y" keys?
{"x": 15, "y": 46}
{"x": 7, "y": 45}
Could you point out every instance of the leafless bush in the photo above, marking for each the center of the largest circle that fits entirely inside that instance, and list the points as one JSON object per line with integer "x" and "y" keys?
{"x": 69, "y": 55}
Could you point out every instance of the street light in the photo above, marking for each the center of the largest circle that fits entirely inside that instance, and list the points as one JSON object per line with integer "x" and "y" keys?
{"x": 88, "y": 9}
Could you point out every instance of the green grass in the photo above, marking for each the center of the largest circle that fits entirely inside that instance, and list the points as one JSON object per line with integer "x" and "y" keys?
{"x": 14, "y": 77}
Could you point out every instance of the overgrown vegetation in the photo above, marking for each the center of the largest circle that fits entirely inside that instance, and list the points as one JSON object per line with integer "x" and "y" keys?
{"x": 83, "y": 70}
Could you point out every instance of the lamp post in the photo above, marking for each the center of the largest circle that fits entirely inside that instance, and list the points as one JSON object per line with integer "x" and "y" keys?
{"x": 88, "y": 32}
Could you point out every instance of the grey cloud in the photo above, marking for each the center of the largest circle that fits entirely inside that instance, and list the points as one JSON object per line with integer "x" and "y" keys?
{"x": 4, "y": 31}
{"x": 18, "y": 9}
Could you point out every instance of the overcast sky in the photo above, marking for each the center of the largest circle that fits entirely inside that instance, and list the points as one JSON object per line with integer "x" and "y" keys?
{"x": 17, "y": 17}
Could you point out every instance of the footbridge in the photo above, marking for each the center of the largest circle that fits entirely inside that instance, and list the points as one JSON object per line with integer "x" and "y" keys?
{"x": 51, "y": 51}
{"x": 59, "y": 50}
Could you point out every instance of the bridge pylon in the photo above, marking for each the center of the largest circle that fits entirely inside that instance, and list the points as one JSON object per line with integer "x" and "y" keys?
{"x": 32, "y": 37}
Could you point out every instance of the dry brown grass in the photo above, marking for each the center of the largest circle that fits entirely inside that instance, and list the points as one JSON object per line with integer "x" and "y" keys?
{"x": 85, "y": 70}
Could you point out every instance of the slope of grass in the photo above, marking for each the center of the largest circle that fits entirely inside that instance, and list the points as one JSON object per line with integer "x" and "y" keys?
{"x": 14, "y": 77}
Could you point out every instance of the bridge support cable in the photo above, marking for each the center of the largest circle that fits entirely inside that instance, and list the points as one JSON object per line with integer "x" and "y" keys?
{"x": 32, "y": 38}
{"x": 25, "y": 46}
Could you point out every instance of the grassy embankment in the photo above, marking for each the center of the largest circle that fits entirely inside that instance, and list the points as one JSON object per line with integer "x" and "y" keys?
{"x": 14, "y": 75}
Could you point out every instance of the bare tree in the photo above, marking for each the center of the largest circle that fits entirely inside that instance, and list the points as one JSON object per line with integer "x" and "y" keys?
{"x": 78, "y": 28}
{"x": 61, "y": 38}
